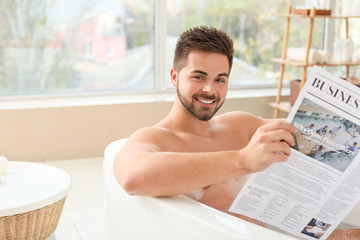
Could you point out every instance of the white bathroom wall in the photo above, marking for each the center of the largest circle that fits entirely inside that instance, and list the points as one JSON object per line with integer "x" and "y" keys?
{"x": 53, "y": 133}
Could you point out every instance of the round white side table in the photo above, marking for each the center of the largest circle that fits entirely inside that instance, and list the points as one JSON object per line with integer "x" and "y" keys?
{"x": 32, "y": 196}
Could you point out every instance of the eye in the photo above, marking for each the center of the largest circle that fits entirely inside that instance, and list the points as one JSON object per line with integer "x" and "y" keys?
{"x": 220, "y": 80}
{"x": 198, "y": 77}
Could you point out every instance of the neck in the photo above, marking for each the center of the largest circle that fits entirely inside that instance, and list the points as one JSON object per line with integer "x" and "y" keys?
{"x": 180, "y": 119}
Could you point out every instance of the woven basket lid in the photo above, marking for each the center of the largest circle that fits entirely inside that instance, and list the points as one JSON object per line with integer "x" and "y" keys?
{"x": 28, "y": 186}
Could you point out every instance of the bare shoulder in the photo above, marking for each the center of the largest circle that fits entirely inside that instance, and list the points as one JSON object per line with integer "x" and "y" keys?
{"x": 152, "y": 139}
{"x": 243, "y": 122}
{"x": 133, "y": 157}
{"x": 238, "y": 115}
{"x": 241, "y": 118}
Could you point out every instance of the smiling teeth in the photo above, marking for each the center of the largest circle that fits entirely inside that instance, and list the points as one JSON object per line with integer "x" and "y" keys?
{"x": 204, "y": 101}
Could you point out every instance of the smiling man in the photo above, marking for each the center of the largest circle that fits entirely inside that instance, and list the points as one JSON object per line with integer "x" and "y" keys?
{"x": 194, "y": 153}
{"x": 190, "y": 151}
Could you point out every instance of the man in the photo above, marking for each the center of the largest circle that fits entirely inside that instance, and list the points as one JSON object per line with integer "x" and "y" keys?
{"x": 317, "y": 151}
{"x": 334, "y": 132}
{"x": 192, "y": 152}
{"x": 322, "y": 131}
{"x": 350, "y": 149}
{"x": 352, "y": 130}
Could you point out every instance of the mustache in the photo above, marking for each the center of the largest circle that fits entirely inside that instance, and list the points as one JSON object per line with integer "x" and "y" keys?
{"x": 206, "y": 96}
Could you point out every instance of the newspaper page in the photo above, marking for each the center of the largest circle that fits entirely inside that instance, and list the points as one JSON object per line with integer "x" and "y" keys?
{"x": 314, "y": 190}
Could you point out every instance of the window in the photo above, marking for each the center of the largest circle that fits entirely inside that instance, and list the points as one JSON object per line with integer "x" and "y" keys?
{"x": 74, "y": 46}
{"x": 84, "y": 46}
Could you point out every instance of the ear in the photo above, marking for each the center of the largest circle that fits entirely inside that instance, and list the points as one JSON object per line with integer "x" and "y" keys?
{"x": 174, "y": 77}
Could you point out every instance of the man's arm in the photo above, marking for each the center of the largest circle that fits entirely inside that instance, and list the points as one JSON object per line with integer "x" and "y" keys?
{"x": 145, "y": 167}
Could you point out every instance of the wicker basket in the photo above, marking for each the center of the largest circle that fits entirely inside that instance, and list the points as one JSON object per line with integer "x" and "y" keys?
{"x": 34, "y": 225}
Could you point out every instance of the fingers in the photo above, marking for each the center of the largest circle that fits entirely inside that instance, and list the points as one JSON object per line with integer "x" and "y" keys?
{"x": 279, "y": 124}
{"x": 274, "y": 149}
{"x": 278, "y": 157}
{"x": 266, "y": 155}
{"x": 277, "y": 131}
{"x": 270, "y": 143}
{"x": 283, "y": 136}
{"x": 282, "y": 148}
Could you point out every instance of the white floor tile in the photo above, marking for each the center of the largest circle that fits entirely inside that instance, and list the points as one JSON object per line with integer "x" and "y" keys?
{"x": 68, "y": 233}
{"x": 81, "y": 198}
{"x": 65, "y": 219}
{"x": 87, "y": 182}
{"x": 94, "y": 215}
{"x": 92, "y": 231}
{"x": 83, "y": 217}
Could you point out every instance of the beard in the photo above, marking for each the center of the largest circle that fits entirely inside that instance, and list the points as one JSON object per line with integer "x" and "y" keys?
{"x": 203, "y": 113}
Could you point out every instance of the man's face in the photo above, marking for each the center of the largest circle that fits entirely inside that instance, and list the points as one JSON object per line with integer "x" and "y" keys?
{"x": 202, "y": 83}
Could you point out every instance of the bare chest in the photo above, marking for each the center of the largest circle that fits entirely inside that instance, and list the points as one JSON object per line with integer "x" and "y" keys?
{"x": 222, "y": 194}
{"x": 215, "y": 142}
{"x": 219, "y": 195}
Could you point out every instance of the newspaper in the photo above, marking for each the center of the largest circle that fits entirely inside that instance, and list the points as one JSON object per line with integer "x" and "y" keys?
{"x": 310, "y": 194}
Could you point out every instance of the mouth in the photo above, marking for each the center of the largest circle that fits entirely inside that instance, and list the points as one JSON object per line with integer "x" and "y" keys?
{"x": 205, "y": 101}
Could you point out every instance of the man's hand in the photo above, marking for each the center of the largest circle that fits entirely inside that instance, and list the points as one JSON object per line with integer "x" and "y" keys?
{"x": 270, "y": 143}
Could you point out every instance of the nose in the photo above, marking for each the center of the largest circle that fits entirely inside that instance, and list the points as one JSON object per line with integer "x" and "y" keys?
{"x": 208, "y": 88}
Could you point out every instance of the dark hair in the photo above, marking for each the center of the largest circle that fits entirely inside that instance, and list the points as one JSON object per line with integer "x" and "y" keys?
{"x": 202, "y": 38}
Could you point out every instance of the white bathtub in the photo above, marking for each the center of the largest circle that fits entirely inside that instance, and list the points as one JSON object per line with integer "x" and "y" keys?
{"x": 175, "y": 218}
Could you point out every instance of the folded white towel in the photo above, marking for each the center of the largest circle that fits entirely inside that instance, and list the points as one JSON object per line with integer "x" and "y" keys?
{"x": 299, "y": 54}
{"x": 326, "y": 56}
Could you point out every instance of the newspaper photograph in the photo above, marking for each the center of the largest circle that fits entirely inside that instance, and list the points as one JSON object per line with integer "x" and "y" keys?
{"x": 312, "y": 192}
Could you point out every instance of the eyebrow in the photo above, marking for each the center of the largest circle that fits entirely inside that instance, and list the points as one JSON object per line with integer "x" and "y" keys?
{"x": 204, "y": 73}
